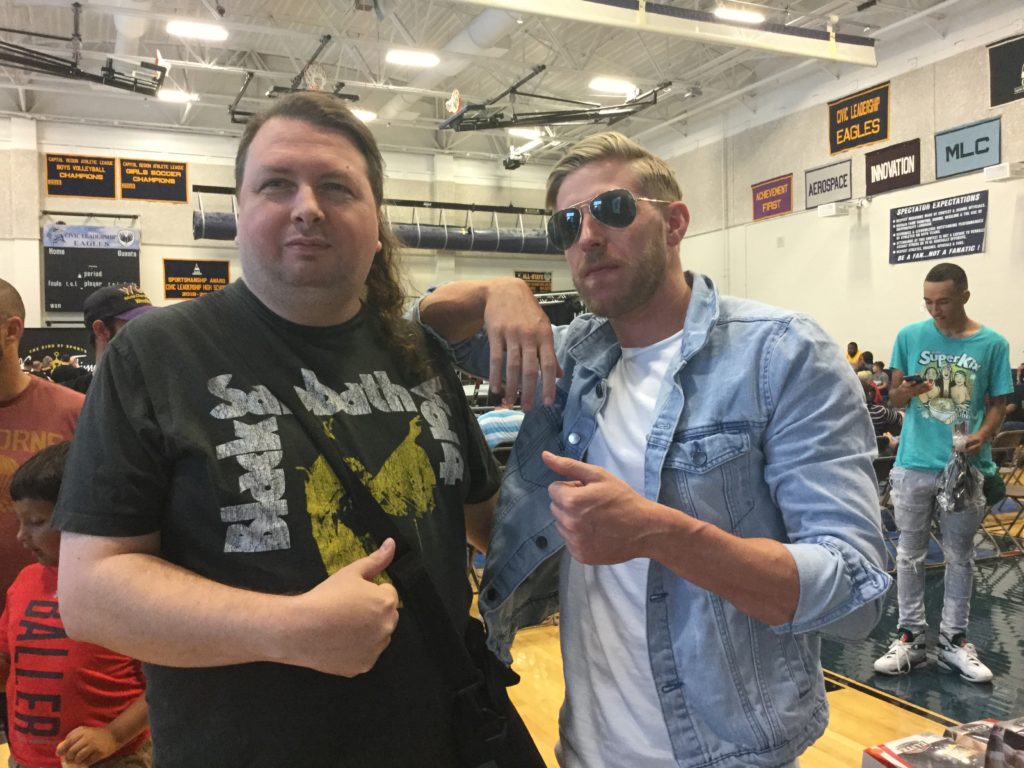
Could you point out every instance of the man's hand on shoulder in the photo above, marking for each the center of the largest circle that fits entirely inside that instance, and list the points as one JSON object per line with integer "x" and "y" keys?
{"x": 521, "y": 342}
{"x": 344, "y": 623}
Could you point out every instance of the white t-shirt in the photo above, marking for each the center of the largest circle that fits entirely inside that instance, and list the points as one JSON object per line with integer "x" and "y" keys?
{"x": 611, "y": 716}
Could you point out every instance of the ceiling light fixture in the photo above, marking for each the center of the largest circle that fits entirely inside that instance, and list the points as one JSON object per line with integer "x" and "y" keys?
{"x": 525, "y": 133}
{"x": 175, "y": 96}
{"x": 407, "y": 58}
{"x": 365, "y": 115}
{"x": 741, "y": 15}
{"x": 527, "y": 147}
{"x": 614, "y": 86}
{"x": 197, "y": 30}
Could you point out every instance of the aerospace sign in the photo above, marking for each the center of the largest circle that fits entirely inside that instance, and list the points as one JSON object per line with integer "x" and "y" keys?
{"x": 829, "y": 184}
{"x": 860, "y": 119}
{"x": 79, "y": 258}
{"x": 773, "y": 197}
{"x": 967, "y": 148}
{"x": 953, "y": 226}
{"x": 894, "y": 167}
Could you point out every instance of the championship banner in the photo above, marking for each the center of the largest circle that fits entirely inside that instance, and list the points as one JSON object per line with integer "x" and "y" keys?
{"x": 860, "y": 119}
{"x": 967, "y": 148}
{"x": 188, "y": 279}
{"x": 57, "y": 346}
{"x": 79, "y": 258}
{"x": 154, "y": 180}
{"x": 539, "y": 282}
{"x": 773, "y": 197}
{"x": 1006, "y": 71}
{"x": 952, "y": 226}
{"x": 892, "y": 168}
{"x": 828, "y": 184}
{"x": 80, "y": 176}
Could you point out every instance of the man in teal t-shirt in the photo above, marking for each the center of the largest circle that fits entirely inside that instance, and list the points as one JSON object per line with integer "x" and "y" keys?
{"x": 952, "y": 374}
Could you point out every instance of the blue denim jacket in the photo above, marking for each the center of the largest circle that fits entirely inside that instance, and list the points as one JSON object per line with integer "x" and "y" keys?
{"x": 763, "y": 433}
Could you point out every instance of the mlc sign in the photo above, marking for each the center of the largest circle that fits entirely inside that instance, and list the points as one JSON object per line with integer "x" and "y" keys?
{"x": 967, "y": 148}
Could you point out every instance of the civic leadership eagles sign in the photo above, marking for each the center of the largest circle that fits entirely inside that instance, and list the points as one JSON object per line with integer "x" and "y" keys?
{"x": 829, "y": 184}
{"x": 859, "y": 119}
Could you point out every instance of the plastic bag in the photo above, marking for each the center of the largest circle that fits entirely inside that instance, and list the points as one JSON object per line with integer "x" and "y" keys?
{"x": 958, "y": 485}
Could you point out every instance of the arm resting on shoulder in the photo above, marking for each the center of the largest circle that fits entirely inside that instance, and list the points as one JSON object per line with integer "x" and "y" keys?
{"x": 520, "y": 340}
{"x": 117, "y": 593}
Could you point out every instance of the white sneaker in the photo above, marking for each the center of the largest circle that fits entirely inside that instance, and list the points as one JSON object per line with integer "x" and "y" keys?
{"x": 905, "y": 653}
{"x": 958, "y": 655}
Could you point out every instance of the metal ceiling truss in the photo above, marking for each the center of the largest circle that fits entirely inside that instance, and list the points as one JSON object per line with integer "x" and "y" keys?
{"x": 481, "y": 117}
{"x": 146, "y": 82}
{"x": 242, "y": 116}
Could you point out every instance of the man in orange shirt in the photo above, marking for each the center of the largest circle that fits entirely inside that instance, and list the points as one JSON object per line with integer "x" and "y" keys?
{"x": 34, "y": 413}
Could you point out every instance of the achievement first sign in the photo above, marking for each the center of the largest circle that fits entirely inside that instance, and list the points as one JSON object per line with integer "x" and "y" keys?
{"x": 773, "y": 197}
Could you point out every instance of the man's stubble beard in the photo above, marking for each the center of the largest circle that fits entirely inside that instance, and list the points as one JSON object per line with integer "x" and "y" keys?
{"x": 646, "y": 277}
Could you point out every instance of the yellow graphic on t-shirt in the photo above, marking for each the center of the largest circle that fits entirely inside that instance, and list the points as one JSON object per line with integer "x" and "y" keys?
{"x": 404, "y": 486}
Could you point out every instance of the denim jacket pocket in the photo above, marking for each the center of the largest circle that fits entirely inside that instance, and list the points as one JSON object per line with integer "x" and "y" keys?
{"x": 710, "y": 475}
{"x": 526, "y": 473}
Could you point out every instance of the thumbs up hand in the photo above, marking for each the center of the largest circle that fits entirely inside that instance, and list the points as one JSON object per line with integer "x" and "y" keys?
{"x": 602, "y": 519}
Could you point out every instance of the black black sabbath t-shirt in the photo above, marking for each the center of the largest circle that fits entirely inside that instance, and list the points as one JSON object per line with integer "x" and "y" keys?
{"x": 182, "y": 435}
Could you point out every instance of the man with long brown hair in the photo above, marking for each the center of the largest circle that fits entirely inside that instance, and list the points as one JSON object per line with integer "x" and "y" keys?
{"x": 205, "y": 531}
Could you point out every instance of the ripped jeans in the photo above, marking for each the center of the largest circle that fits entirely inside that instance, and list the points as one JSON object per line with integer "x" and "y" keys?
{"x": 913, "y": 498}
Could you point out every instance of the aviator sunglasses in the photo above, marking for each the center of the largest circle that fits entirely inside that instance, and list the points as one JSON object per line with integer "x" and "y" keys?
{"x": 615, "y": 208}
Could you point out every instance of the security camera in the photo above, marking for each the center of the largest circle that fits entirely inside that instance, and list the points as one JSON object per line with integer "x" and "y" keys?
{"x": 511, "y": 163}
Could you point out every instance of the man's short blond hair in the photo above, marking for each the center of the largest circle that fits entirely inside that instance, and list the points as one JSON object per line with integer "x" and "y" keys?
{"x": 654, "y": 177}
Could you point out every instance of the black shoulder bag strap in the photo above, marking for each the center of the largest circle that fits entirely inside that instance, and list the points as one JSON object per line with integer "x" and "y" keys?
{"x": 487, "y": 737}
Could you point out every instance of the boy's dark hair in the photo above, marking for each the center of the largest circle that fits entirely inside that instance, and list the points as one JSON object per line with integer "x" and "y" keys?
{"x": 940, "y": 273}
{"x": 40, "y": 476}
{"x": 880, "y": 364}
{"x": 868, "y": 358}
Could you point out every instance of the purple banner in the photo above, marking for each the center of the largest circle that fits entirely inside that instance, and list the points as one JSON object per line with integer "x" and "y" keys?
{"x": 773, "y": 197}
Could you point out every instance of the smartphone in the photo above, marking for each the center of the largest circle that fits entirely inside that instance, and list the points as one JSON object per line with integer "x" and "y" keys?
{"x": 915, "y": 379}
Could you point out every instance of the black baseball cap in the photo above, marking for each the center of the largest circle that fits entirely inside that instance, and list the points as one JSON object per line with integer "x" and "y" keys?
{"x": 116, "y": 302}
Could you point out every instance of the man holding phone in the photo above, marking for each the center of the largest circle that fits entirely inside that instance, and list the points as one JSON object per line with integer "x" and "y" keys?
{"x": 953, "y": 375}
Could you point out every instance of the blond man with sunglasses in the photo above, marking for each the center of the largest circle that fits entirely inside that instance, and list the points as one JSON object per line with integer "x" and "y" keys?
{"x": 695, "y": 491}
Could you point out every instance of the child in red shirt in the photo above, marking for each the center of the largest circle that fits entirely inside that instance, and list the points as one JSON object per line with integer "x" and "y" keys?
{"x": 68, "y": 703}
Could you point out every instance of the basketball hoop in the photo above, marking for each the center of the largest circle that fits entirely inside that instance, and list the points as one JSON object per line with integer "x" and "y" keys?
{"x": 314, "y": 78}
{"x": 454, "y": 104}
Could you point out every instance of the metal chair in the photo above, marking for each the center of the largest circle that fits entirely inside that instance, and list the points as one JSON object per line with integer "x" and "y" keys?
{"x": 1005, "y": 516}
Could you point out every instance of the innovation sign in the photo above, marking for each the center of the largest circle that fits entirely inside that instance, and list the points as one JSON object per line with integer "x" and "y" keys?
{"x": 893, "y": 167}
{"x": 967, "y": 148}
{"x": 829, "y": 184}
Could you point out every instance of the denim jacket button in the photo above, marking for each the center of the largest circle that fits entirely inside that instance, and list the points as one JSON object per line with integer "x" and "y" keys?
{"x": 491, "y": 595}
{"x": 700, "y": 458}
{"x": 574, "y": 439}
{"x": 541, "y": 542}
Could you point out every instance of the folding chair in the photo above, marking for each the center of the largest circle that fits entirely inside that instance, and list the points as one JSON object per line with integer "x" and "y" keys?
{"x": 1004, "y": 517}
